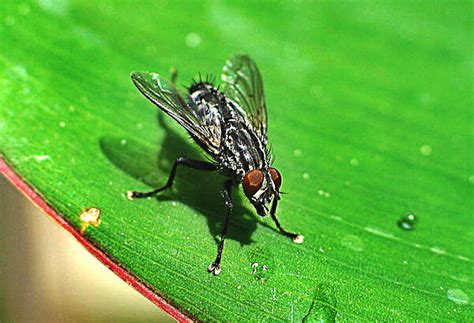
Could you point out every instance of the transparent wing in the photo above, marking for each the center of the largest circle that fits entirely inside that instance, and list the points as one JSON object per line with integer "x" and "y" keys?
{"x": 244, "y": 85}
{"x": 165, "y": 95}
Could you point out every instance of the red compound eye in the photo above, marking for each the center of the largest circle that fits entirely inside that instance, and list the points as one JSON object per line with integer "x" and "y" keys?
{"x": 252, "y": 182}
{"x": 276, "y": 178}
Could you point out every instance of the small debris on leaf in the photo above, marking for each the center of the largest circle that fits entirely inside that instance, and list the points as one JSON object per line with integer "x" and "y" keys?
{"x": 90, "y": 216}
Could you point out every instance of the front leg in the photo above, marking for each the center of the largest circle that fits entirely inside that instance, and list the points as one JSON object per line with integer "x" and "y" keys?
{"x": 297, "y": 238}
{"x": 191, "y": 163}
{"x": 215, "y": 266}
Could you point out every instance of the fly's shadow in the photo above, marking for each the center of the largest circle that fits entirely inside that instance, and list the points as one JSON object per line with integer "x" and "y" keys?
{"x": 151, "y": 163}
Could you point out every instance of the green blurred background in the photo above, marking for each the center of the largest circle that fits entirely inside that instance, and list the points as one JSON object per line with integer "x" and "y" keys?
{"x": 371, "y": 115}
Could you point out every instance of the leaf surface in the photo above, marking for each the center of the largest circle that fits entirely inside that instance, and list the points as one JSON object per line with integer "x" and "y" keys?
{"x": 370, "y": 116}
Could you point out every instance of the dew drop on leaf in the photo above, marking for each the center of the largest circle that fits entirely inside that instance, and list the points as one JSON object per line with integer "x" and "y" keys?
{"x": 408, "y": 221}
{"x": 323, "y": 307}
{"x": 426, "y": 150}
{"x": 354, "y": 162}
{"x": 457, "y": 296}
{"x": 193, "y": 40}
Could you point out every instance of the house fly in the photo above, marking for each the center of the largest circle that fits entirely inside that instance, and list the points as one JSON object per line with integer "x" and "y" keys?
{"x": 230, "y": 125}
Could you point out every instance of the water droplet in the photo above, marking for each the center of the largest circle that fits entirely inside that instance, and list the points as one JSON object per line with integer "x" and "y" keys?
{"x": 457, "y": 296}
{"x": 324, "y": 193}
{"x": 405, "y": 262}
{"x": 426, "y": 150}
{"x": 353, "y": 242}
{"x": 238, "y": 287}
{"x": 261, "y": 263}
{"x": 261, "y": 272}
{"x": 193, "y": 40}
{"x": 298, "y": 153}
{"x": 321, "y": 250}
{"x": 254, "y": 268}
{"x": 305, "y": 175}
{"x": 407, "y": 221}
{"x": 323, "y": 307}
{"x": 354, "y": 162}
{"x": 174, "y": 203}
{"x": 62, "y": 124}
{"x": 123, "y": 142}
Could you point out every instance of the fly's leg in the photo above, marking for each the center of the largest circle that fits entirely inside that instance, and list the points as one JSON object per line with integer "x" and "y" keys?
{"x": 297, "y": 238}
{"x": 215, "y": 267}
{"x": 191, "y": 163}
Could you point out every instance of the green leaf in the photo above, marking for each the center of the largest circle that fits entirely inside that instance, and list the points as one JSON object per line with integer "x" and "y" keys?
{"x": 370, "y": 116}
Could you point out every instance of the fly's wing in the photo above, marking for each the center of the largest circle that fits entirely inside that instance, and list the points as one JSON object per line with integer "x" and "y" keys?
{"x": 243, "y": 84}
{"x": 167, "y": 98}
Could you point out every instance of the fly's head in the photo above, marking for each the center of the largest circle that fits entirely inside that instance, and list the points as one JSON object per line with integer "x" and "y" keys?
{"x": 261, "y": 186}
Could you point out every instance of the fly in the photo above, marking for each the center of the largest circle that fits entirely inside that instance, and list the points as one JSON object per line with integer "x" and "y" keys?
{"x": 230, "y": 125}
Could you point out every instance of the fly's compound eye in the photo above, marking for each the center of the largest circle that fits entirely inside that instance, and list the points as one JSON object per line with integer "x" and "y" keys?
{"x": 276, "y": 178}
{"x": 252, "y": 182}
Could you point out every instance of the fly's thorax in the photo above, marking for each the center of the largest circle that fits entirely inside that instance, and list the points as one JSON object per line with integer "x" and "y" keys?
{"x": 243, "y": 149}
{"x": 205, "y": 92}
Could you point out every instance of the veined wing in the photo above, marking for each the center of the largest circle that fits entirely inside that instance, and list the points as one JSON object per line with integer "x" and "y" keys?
{"x": 244, "y": 85}
{"x": 165, "y": 95}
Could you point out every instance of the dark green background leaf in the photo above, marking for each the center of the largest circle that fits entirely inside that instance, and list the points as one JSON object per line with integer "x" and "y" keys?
{"x": 370, "y": 109}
